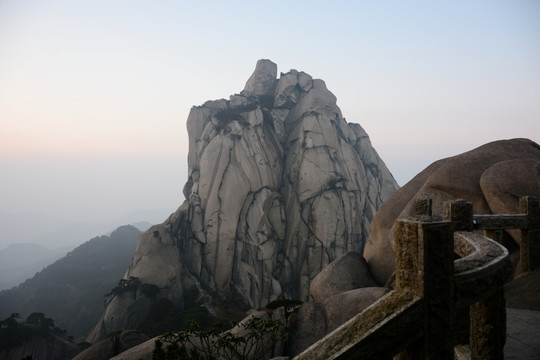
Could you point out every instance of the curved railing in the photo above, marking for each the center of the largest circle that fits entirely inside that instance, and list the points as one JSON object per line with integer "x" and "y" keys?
{"x": 483, "y": 267}
{"x": 417, "y": 320}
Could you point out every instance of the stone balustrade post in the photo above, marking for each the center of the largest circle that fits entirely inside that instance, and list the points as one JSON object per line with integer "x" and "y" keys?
{"x": 423, "y": 206}
{"x": 425, "y": 265}
{"x": 460, "y": 212}
{"x": 530, "y": 237}
{"x": 488, "y": 327}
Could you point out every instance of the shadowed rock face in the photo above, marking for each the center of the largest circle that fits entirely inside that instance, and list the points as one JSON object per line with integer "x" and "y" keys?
{"x": 279, "y": 185}
{"x": 493, "y": 177}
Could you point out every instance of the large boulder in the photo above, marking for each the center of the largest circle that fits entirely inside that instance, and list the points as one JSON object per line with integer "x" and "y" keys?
{"x": 315, "y": 319}
{"x": 279, "y": 185}
{"x": 493, "y": 177}
{"x": 348, "y": 272}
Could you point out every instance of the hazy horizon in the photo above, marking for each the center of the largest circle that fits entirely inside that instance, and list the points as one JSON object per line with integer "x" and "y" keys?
{"x": 94, "y": 96}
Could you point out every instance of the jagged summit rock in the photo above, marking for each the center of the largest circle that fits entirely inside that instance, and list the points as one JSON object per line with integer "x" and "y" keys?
{"x": 279, "y": 185}
{"x": 263, "y": 79}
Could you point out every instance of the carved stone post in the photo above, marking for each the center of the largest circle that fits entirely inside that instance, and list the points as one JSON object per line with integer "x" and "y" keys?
{"x": 530, "y": 237}
{"x": 425, "y": 265}
{"x": 460, "y": 212}
{"x": 423, "y": 206}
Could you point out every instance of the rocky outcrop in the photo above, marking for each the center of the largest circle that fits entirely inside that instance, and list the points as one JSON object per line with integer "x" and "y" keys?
{"x": 493, "y": 177}
{"x": 279, "y": 185}
{"x": 112, "y": 346}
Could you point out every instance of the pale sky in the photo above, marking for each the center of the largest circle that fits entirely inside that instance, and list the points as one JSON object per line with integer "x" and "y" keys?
{"x": 94, "y": 95}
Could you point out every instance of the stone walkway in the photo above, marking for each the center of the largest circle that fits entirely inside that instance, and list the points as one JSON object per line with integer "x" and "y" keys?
{"x": 522, "y": 335}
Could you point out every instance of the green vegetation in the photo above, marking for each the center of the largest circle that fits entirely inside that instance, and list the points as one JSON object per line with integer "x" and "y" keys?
{"x": 125, "y": 285}
{"x": 133, "y": 284}
{"x": 255, "y": 339}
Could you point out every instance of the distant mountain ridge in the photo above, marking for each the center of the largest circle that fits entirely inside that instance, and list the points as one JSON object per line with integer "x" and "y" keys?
{"x": 71, "y": 290}
{"x": 53, "y": 232}
{"x": 21, "y": 261}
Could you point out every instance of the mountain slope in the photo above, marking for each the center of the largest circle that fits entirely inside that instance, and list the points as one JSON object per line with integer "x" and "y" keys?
{"x": 19, "y": 262}
{"x": 72, "y": 289}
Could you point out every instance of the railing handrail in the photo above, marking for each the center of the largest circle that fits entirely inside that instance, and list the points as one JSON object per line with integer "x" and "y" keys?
{"x": 500, "y": 221}
{"x": 375, "y": 331}
{"x": 487, "y": 266}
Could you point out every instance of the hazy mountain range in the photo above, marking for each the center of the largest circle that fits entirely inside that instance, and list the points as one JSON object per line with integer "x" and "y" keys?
{"x": 19, "y": 262}
{"x": 31, "y": 248}
{"x": 53, "y": 232}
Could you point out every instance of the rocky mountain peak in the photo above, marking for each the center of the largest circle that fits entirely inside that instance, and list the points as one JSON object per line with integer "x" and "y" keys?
{"x": 279, "y": 185}
{"x": 263, "y": 79}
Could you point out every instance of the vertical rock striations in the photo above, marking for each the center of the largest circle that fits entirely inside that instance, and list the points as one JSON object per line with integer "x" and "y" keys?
{"x": 279, "y": 185}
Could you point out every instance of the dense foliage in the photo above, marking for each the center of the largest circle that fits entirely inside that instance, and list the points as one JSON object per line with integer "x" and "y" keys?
{"x": 71, "y": 289}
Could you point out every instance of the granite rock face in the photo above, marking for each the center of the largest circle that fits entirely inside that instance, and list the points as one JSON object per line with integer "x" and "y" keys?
{"x": 279, "y": 185}
{"x": 493, "y": 177}
{"x": 112, "y": 346}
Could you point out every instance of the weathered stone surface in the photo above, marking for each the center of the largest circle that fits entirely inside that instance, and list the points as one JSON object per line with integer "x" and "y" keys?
{"x": 492, "y": 177}
{"x": 316, "y": 319}
{"x": 279, "y": 185}
{"x": 112, "y": 346}
{"x": 347, "y": 272}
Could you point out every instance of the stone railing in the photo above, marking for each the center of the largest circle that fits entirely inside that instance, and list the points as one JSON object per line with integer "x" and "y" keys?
{"x": 420, "y": 318}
